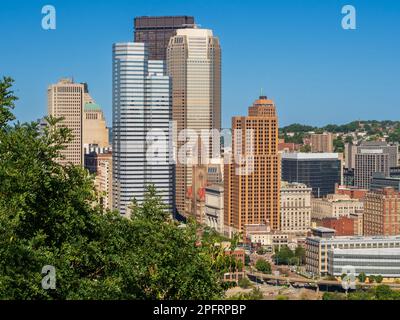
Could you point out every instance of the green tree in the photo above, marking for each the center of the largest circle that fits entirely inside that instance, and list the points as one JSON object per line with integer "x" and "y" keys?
{"x": 244, "y": 283}
{"x": 378, "y": 279}
{"x": 362, "y": 277}
{"x": 49, "y": 216}
{"x": 371, "y": 278}
{"x": 300, "y": 254}
{"x": 263, "y": 266}
{"x": 284, "y": 255}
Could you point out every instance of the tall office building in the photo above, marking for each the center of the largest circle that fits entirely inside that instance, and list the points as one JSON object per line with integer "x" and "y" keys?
{"x": 252, "y": 187}
{"x": 370, "y": 157}
{"x": 319, "y": 171}
{"x": 366, "y": 164}
{"x": 156, "y": 32}
{"x": 194, "y": 63}
{"x": 382, "y": 212}
{"x": 141, "y": 117}
{"x": 322, "y": 142}
{"x": 66, "y": 99}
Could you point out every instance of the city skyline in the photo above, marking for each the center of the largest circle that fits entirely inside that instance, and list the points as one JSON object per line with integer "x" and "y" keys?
{"x": 330, "y": 63}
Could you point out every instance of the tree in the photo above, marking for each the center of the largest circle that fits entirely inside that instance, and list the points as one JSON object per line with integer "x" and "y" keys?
{"x": 263, "y": 266}
{"x": 284, "y": 255}
{"x": 371, "y": 278}
{"x": 300, "y": 254}
{"x": 246, "y": 260}
{"x": 49, "y": 216}
{"x": 244, "y": 283}
{"x": 362, "y": 277}
{"x": 378, "y": 279}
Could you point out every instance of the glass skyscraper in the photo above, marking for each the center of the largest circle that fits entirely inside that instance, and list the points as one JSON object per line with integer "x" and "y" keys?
{"x": 319, "y": 171}
{"x": 141, "y": 126}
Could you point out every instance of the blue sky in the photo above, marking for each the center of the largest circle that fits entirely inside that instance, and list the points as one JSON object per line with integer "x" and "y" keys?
{"x": 316, "y": 72}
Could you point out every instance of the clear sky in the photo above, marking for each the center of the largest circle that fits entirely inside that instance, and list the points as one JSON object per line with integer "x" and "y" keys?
{"x": 297, "y": 51}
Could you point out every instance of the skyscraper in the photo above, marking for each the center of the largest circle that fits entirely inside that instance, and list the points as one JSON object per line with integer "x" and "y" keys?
{"x": 66, "y": 99}
{"x": 194, "y": 63}
{"x": 95, "y": 131}
{"x": 141, "y": 123}
{"x": 252, "y": 188}
{"x": 319, "y": 171}
{"x": 156, "y": 32}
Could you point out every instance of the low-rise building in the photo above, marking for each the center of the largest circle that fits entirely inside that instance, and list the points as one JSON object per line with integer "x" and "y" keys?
{"x": 317, "y": 249}
{"x": 335, "y": 206}
{"x": 264, "y": 236}
{"x": 375, "y": 261}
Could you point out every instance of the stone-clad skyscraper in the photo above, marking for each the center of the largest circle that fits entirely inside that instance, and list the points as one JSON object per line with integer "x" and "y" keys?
{"x": 66, "y": 99}
{"x": 194, "y": 63}
{"x": 141, "y": 126}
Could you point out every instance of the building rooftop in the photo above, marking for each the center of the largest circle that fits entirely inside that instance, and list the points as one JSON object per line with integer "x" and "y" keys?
{"x": 92, "y": 107}
{"x": 369, "y": 251}
{"x": 310, "y": 156}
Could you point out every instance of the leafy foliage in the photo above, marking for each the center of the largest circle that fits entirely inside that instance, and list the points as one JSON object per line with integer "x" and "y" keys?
{"x": 49, "y": 216}
{"x": 263, "y": 266}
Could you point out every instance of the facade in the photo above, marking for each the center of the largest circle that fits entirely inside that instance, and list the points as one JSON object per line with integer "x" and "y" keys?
{"x": 214, "y": 207}
{"x": 366, "y": 165}
{"x": 103, "y": 179}
{"x": 295, "y": 207}
{"x": 317, "y": 249}
{"x": 252, "y": 179}
{"x": 194, "y": 63}
{"x": 66, "y": 99}
{"x": 141, "y": 127}
{"x": 358, "y": 219}
{"x": 343, "y": 225}
{"x": 95, "y": 131}
{"x": 380, "y": 181}
{"x": 378, "y": 261}
{"x": 371, "y": 147}
{"x": 322, "y": 142}
{"x": 262, "y": 234}
{"x": 156, "y": 32}
{"x": 335, "y": 206}
{"x": 319, "y": 171}
{"x": 382, "y": 212}
{"x": 352, "y": 192}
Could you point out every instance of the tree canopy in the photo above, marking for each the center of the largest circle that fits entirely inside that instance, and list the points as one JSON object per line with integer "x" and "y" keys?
{"x": 49, "y": 216}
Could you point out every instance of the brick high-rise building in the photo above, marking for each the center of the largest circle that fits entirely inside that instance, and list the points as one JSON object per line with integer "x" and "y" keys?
{"x": 322, "y": 142}
{"x": 194, "y": 64}
{"x": 382, "y": 212}
{"x": 66, "y": 99}
{"x": 156, "y": 32}
{"x": 252, "y": 188}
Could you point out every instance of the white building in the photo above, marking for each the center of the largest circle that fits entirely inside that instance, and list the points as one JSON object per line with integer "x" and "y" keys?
{"x": 141, "y": 126}
{"x": 214, "y": 208}
{"x": 295, "y": 207}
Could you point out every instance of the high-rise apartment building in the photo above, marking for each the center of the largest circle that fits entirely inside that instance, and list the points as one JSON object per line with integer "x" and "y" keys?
{"x": 194, "y": 63}
{"x": 295, "y": 208}
{"x": 322, "y": 142}
{"x": 141, "y": 126}
{"x": 252, "y": 186}
{"x": 156, "y": 32}
{"x": 382, "y": 212}
{"x": 66, "y": 99}
{"x": 103, "y": 179}
{"x": 319, "y": 171}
